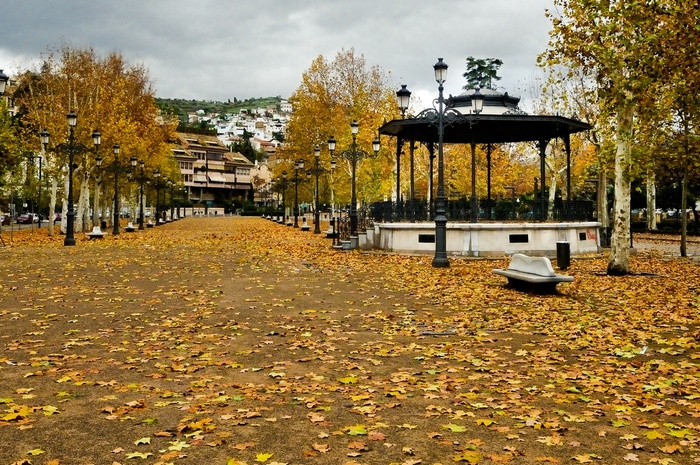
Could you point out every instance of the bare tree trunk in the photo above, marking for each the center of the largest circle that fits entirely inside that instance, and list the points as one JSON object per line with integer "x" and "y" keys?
{"x": 651, "y": 201}
{"x": 602, "y": 197}
{"x": 619, "y": 263}
{"x": 80, "y": 213}
{"x": 52, "y": 203}
{"x": 64, "y": 206}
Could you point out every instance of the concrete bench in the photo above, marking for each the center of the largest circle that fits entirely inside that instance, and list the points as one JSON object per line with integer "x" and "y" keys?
{"x": 149, "y": 224}
{"x": 96, "y": 233}
{"x": 305, "y": 226}
{"x": 130, "y": 227}
{"x": 533, "y": 274}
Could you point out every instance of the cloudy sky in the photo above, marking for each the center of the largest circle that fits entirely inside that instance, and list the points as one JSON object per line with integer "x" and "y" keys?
{"x": 221, "y": 49}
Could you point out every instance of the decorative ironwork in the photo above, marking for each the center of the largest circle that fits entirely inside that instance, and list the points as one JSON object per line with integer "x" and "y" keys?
{"x": 497, "y": 210}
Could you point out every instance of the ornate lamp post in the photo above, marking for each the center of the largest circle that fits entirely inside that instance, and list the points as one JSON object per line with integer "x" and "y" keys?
{"x": 72, "y": 148}
{"x": 317, "y": 170}
{"x": 442, "y": 115}
{"x": 116, "y": 169}
{"x": 141, "y": 180}
{"x": 284, "y": 190}
{"x": 403, "y": 97}
{"x": 353, "y": 155}
{"x": 156, "y": 176}
{"x": 298, "y": 166}
{"x": 317, "y": 213}
{"x": 477, "y": 105}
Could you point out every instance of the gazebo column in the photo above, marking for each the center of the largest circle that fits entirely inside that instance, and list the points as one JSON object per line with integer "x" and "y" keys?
{"x": 399, "y": 144}
{"x": 412, "y": 149}
{"x": 543, "y": 201}
{"x": 567, "y": 146}
{"x": 488, "y": 180}
{"x": 431, "y": 151}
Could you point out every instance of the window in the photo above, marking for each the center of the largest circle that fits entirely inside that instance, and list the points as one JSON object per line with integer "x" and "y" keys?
{"x": 518, "y": 238}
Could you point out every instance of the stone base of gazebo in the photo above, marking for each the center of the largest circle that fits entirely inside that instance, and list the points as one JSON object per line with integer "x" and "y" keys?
{"x": 484, "y": 239}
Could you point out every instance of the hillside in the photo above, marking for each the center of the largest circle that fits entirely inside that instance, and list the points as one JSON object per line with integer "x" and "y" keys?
{"x": 182, "y": 107}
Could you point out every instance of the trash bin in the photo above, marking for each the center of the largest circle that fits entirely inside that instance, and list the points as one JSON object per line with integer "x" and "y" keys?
{"x": 563, "y": 255}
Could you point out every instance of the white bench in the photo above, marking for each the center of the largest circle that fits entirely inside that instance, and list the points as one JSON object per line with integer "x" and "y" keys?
{"x": 305, "y": 226}
{"x": 532, "y": 274}
{"x": 149, "y": 224}
{"x": 96, "y": 233}
{"x": 130, "y": 227}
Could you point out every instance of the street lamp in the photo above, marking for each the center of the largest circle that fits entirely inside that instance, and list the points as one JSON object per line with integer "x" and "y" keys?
{"x": 115, "y": 215}
{"x": 443, "y": 115}
{"x": 477, "y": 105}
{"x": 141, "y": 180}
{"x": 72, "y": 148}
{"x": 353, "y": 155}
{"x": 156, "y": 175}
{"x": 403, "y": 96}
{"x": 299, "y": 165}
{"x": 317, "y": 213}
{"x": 284, "y": 190}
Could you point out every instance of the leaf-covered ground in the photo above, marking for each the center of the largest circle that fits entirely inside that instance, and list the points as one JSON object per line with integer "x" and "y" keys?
{"x": 234, "y": 340}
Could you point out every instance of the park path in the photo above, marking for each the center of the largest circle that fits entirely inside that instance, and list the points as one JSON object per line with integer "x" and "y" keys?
{"x": 237, "y": 340}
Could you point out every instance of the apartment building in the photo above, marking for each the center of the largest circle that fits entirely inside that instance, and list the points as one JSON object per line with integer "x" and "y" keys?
{"x": 212, "y": 175}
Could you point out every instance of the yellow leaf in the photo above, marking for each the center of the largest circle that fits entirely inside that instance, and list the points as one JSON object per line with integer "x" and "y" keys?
{"x": 653, "y": 434}
{"x": 262, "y": 457}
{"x": 36, "y": 452}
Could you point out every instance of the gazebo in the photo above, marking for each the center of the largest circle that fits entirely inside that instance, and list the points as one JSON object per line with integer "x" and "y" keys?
{"x": 498, "y": 121}
{"x": 480, "y": 117}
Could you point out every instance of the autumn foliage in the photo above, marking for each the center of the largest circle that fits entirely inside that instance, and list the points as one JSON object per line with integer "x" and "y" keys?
{"x": 234, "y": 340}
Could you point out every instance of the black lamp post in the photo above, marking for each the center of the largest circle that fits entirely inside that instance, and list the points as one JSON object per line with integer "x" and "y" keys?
{"x": 440, "y": 259}
{"x": 156, "y": 176}
{"x": 317, "y": 213}
{"x": 477, "y": 105}
{"x": 115, "y": 215}
{"x": 403, "y": 97}
{"x": 116, "y": 168}
{"x": 72, "y": 148}
{"x": 299, "y": 165}
{"x": 284, "y": 190}
{"x": 353, "y": 155}
{"x": 141, "y": 180}
{"x": 442, "y": 115}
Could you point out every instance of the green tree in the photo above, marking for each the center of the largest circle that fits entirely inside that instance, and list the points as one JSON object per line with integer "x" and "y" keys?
{"x": 482, "y": 72}
{"x": 617, "y": 43}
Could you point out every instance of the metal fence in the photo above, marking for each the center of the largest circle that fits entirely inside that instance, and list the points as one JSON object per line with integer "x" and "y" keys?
{"x": 495, "y": 210}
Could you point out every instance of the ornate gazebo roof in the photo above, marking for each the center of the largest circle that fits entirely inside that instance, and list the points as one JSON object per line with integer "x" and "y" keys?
{"x": 485, "y": 128}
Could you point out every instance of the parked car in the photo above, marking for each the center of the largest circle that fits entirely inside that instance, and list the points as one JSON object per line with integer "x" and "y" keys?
{"x": 27, "y": 218}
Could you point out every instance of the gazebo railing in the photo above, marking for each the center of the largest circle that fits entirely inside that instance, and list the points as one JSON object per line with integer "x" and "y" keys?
{"x": 495, "y": 210}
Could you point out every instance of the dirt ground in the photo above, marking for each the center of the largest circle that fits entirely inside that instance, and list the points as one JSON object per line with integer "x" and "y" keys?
{"x": 237, "y": 340}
